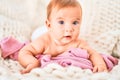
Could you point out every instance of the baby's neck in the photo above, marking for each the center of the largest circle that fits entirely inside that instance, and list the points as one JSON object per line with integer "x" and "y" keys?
{"x": 58, "y": 43}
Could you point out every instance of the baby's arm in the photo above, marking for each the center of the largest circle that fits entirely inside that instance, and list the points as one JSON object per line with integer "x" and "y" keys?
{"x": 26, "y": 56}
{"x": 96, "y": 58}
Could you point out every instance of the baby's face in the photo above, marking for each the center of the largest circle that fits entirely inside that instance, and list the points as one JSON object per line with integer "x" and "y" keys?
{"x": 64, "y": 24}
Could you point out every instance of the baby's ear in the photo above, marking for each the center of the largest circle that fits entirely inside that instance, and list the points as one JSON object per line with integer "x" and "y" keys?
{"x": 47, "y": 23}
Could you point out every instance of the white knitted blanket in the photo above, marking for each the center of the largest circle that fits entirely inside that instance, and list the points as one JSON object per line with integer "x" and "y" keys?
{"x": 11, "y": 70}
{"x": 100, "y": 27}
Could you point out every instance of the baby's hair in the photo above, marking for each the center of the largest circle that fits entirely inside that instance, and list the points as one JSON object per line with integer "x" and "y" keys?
{"x": 61, "y": 4}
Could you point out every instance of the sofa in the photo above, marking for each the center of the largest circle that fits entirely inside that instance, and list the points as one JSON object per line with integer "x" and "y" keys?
{"x": 23, "y": 19}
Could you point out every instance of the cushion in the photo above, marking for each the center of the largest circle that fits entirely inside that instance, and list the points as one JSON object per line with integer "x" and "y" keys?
{"x": 38, "y": 31}
{"x": 19, "y": 18}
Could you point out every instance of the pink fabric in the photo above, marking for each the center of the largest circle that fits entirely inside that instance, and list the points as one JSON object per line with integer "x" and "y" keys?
{"x": 10, "y": 47}
{"x": 76, "y": 57}
{"x": 110, "y": 61}
{"x": 73, "y": 57}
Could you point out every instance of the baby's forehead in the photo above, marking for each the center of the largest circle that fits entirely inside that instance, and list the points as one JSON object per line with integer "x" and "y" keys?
{"x": 57, "y": 8}
{"x": 66, "y": 12}
{"x": 67, "y": 6}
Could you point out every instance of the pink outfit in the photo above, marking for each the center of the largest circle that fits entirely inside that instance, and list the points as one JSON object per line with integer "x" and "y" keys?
{"x": 73, "y": 57}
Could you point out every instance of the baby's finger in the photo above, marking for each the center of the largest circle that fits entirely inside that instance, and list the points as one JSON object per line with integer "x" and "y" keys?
{"x": 95, "y": 69}
{"x": 102, "y": 69}
{"x": 105, "y": 70}
{"x": 27, "y": 70}
{"x": 24, "y": 71}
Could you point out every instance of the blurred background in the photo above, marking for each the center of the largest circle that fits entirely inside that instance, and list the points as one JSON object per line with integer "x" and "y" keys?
{"x": 100, "y": 25}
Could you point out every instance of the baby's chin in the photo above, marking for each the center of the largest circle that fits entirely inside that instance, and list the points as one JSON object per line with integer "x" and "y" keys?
{"x": 65, "y": 42}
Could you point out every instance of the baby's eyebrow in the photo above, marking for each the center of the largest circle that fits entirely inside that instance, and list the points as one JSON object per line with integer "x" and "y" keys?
{"x": 77, "y": 19}
{"x": 59, "y": 18}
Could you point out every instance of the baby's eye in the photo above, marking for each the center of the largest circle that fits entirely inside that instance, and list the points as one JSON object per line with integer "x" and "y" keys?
{"x": 75, "y": 22}
{"x": 61, "y": 22}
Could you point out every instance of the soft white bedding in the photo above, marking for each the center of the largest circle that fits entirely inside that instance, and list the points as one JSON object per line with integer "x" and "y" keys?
{"x": 100, "y": 27}
{"x": 11, "y": 70}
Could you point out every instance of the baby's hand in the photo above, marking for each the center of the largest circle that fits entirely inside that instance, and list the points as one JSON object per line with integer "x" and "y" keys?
{"x": 29, "y": 68}
{"x": 100, "y": 68}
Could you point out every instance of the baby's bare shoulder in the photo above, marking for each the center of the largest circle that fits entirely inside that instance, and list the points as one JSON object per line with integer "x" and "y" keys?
{"x": 44, "y": 37}
{"x": 82, "y": 43}
{"x": 41, "y": 43}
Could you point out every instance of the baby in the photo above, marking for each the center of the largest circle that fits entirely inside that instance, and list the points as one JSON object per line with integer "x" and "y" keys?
{"x": 63, "y": 23}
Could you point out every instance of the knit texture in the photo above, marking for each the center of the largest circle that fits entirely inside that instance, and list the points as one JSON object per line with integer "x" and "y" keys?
{"x": 103, "y": 28}
{"x": 100, "y": 27}
{"x": 19, "y": 18}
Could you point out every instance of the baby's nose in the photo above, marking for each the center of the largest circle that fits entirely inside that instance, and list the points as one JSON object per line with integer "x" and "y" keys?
{"x": 68, "y": 29}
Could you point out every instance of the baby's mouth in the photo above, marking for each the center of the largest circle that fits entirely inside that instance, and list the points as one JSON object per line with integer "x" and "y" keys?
{"x": 68, "y": 37}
